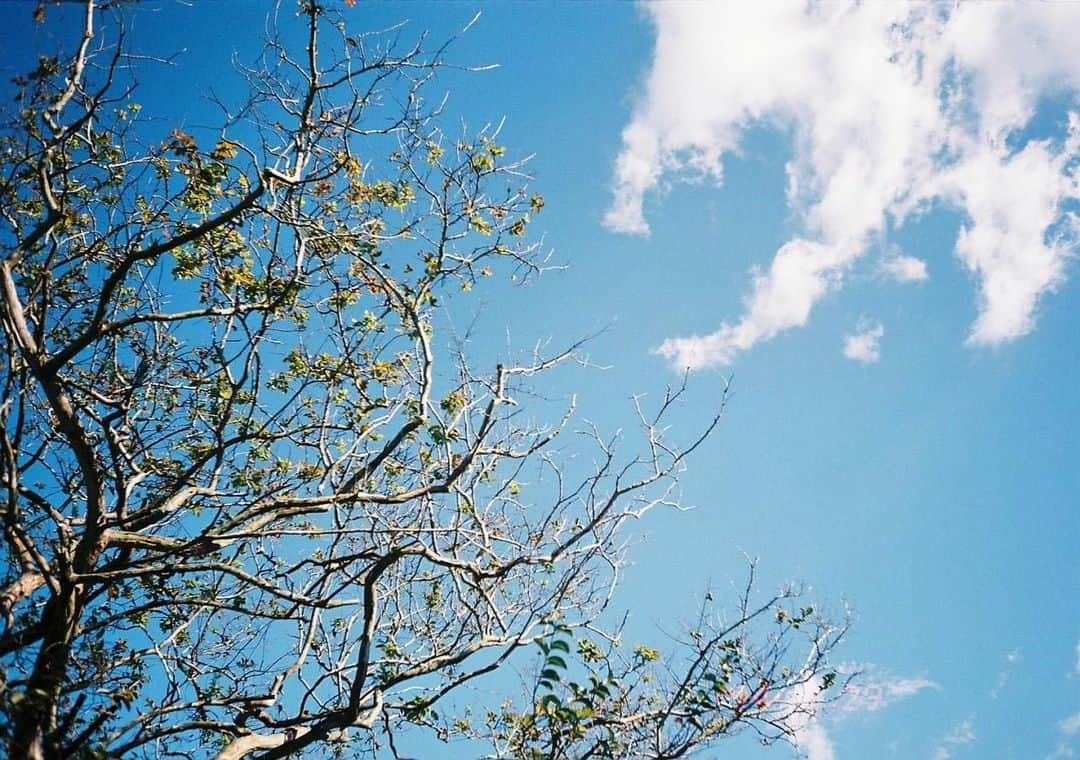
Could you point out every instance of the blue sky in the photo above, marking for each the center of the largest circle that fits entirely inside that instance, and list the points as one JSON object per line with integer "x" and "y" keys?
{"x": 929, "y": 476}
{"x": 863, "y": 216}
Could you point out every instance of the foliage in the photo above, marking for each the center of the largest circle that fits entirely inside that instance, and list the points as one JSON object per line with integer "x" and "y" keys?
{"x": 251, "y": 506}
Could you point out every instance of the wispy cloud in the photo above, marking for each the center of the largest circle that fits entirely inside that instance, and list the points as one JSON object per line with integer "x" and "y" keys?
{"x": 873, "y": 690}
{"x": 1061, "y": 751}
{"x": 1011, "y": 658}
{"x": 807, "y": 731}
{"x": 814, "y": 743}
{"x": 962, "y": 733}
{"x": 864, "y": 345}
{"x": 1070, "y": 727}
{"x": 891, "y": 108}
{"x": 876, "y": 690}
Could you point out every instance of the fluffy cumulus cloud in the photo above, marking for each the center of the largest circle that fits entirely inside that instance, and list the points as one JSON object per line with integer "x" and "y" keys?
{"x": 864, "y": 345}
{"x": 891, "y": 108}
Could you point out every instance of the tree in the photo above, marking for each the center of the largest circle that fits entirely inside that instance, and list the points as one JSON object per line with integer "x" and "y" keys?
{"x": 252, "y": 506}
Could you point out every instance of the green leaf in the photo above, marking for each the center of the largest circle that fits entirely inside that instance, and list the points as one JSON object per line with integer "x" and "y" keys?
{"x": 548, "y": 700}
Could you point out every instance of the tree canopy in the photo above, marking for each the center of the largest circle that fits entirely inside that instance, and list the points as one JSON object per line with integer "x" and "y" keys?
{"x": 256, "y": 504}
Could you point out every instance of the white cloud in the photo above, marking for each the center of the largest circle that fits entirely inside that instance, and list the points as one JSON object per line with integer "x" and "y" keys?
{"x": 1011, "y": 658}
{"x": 1012, "y": 203}
{"x": 801, "y": 272}
{"x": 1062, "y": 751}
{"x": 807, "y": 732}
{"x": 890, "y": 107}
{"x": 905, "y": 268}
{"x": 961, "y": 734}
{"x": 874, "y": 690}
{"x": 864, "y": 345}
{"x": 1069, "y": 726}
{"x": 814, "y": 743}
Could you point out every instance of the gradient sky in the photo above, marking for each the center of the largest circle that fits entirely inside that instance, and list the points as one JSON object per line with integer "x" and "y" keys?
{"x": 865, "y": 217}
